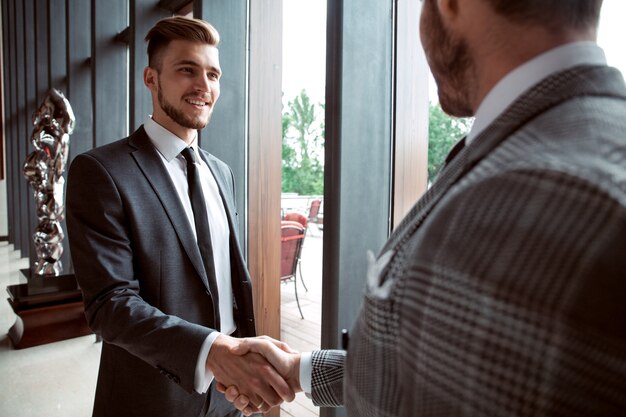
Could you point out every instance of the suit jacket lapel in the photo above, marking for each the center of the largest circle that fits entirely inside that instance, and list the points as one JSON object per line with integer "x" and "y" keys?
{"x": 557, "y": 88}
{"x": 150, "y": 164}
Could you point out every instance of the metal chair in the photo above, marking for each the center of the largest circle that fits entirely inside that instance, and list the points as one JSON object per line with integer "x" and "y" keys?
{"x": 314, "y": 210}
{"x": 291, "y": 240}
{"x": 296, "y": 217}
{"x": 299, "y": 218}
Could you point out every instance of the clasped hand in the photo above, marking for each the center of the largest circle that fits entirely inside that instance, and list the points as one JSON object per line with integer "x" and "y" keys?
{"x": 255, "y": 374}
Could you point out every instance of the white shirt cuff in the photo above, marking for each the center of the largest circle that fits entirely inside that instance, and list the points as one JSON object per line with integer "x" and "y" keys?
{"x": 203, "y": 377}
{"x": 306, "y": 367}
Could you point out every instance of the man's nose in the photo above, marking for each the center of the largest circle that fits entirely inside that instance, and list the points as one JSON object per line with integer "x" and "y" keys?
{"x": 203, "y": 83}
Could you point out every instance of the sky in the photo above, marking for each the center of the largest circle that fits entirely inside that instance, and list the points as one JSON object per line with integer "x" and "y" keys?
{"x": 304, "y": 48}
{"x": 612, "y": 33}
{"x": 304, "y": 44}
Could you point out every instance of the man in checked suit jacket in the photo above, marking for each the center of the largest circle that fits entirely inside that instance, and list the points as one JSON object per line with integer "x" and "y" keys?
{"x": 503, "y": 291}
{"x": 135, "y": 255}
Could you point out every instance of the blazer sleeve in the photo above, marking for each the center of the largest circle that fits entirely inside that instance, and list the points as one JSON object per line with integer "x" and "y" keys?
{"x": 104, "y": 265}
{"x": 327, "y": 377}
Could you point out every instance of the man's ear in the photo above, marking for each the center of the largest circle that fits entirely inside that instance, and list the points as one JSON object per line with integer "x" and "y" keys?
{"x": 150, "y": 78}
{"x": 448, "y": 9}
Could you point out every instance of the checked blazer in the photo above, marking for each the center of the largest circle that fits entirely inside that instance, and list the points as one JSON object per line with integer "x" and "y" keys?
{"x": 503, "y": 291}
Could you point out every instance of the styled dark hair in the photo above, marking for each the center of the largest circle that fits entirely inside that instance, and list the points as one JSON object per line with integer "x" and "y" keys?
{"x": 178, "y": 28}
{"x": 569, "y": 13}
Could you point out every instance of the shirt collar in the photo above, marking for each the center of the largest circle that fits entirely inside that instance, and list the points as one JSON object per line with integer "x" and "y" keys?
{"x": 522, "y": 78}
{"x": 167, "y": 143}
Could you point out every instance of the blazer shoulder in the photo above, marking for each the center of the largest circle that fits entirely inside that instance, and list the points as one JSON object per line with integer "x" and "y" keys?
{"x": 219, "y": 168}
{"x": 112, "y": 152}
{"x": 209, "y": 157}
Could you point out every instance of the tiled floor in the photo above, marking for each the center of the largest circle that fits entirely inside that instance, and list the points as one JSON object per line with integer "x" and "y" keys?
{"x": 58, "y": 379}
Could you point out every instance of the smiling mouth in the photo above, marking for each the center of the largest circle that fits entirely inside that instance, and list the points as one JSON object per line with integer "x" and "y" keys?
{"x": 197, "y": 102}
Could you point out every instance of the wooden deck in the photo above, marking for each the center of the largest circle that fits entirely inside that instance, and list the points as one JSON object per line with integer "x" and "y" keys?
{"x": 304, "y": 334}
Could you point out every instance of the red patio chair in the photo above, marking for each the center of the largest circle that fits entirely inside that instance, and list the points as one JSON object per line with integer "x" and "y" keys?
{"x": 314, "y": 210}
{"x": 291, "y": 239}
{"x": 296, "y": 217}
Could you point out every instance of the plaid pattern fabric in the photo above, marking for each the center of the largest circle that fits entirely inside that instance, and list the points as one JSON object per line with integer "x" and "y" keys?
{"x": 508, "y": 277}
{"x": 327, "y": 375}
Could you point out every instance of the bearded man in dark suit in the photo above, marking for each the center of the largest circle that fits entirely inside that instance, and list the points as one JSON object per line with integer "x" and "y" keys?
{"x": 503, "y": 291}
{"x": 164, "y": 291}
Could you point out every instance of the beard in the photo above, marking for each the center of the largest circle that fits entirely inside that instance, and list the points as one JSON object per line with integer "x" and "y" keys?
{"x": 180, "y": 117}
{"x": 450, "y": 62}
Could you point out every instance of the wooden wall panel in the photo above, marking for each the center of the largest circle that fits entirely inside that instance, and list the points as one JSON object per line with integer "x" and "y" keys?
{"x": 411, "y": 112}
{"x": 265, "y": 156}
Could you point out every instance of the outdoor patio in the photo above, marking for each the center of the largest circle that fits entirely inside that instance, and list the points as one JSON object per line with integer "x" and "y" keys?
{"x": 304, "y": 334}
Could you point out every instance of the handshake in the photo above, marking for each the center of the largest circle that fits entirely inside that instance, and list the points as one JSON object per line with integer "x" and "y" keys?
{"x": 255, "y": 374}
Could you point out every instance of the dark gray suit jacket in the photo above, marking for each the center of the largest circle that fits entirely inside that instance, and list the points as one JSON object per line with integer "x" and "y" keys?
{"x": 144, "y": 286}
{"x": 507, "y": 279}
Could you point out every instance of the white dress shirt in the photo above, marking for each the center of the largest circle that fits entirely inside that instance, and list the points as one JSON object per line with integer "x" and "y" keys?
{"x": 522, "y": 78}
{"x": 169, "y": 146}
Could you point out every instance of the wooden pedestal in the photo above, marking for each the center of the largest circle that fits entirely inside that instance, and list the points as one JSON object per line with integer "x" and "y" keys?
{"x": 48, "y": 309}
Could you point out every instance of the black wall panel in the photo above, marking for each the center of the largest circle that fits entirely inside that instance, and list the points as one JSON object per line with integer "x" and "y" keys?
{"x": 31, "y": 104}
{"x": 79, "y": 84}
{"x": 143, "y": 15}
{"x": 22, "y": 132}
{"x": 8, "y": 70}
{"x": 110, "y": 71}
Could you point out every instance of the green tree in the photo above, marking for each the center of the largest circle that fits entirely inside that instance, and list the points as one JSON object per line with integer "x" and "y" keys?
{"x": 303, "y": 147}
{"x": 443, "y": 132}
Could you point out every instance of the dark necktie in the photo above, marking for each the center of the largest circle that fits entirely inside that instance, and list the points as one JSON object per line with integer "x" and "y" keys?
{"x": 458, "y": 147}
{"x": 203, "y": 232}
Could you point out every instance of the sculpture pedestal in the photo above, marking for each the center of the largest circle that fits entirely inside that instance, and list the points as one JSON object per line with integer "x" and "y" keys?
{"x": 48, "y": 310}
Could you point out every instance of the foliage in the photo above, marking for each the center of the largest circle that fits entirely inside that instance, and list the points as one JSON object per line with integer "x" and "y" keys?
{"x": 303, "y": 147}
{"x": 303, "y": 144}
{"x": 443, "y": 132}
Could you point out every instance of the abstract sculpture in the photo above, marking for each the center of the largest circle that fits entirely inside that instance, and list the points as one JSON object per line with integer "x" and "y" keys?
{"x": 43, "y": 169}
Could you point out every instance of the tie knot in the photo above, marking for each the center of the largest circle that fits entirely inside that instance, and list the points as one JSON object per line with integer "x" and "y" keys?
{"x": 189, "y": 155}
{"x": 458, "y": 147}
